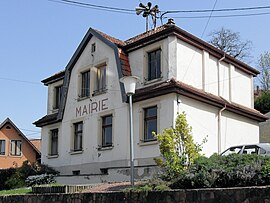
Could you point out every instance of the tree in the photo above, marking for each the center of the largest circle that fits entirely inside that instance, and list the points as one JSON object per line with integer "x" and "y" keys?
{"x": 230, "y": 42}
{"x": 177, "y": 147}
{"x": 262, "y": 103}
{"x": 264, "y": 67}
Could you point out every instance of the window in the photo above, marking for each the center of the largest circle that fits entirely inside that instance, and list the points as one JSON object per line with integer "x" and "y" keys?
{"x": 2, "y": 147}
{"x": 85, "y": 87}
{"x": 93, "y": 47}
{"x": 101, "y": 80}
{"x": 78, "y": 133}
{"x": 150, "y": 123}
{"x": 154, "y": 69}
{"x": 57, "y": 98}
{"x": 107, "y": 131}
{"x": 16, "y": 148}
{"x": 76, "y": 173}
{"x": 54, "y": 142}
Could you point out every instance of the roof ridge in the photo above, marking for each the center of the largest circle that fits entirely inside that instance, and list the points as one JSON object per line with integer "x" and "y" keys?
{"x": 111, "y": 38}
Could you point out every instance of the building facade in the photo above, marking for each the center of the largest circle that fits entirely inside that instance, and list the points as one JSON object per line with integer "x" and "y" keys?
{"x": 86, "y": 129}
{"x": 15, "y": 148}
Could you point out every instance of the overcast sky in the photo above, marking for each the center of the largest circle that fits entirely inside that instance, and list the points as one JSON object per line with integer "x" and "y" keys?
{"x": 38, "y": 38}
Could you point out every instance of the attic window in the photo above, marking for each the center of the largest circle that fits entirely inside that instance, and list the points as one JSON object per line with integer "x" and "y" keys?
{"x": 8, "y": 127}
{"x": 93, "y": 47}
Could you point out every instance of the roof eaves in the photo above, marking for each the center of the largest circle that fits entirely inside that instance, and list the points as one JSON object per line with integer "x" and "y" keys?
{"x": 173, "y": 86}
{"x": 54, "y": 78}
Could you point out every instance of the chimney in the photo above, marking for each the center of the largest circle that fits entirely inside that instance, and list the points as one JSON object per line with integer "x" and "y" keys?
{"x": 170, "y": 22}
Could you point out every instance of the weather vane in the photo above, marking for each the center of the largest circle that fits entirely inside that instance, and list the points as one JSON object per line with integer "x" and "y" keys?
{"x": 146, "y": 11}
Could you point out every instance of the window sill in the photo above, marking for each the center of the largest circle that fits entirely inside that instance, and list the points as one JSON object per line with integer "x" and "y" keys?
{"x": 2, "y": 155}
{"x": 52, "y": 156}
{"x": 146, "y": 143}
{"x": 15, "y": 156}
{"x": 100, "y": 148}
{"x": 148, "y": 82}
{"x": 76, "y": 152}
{"x": 80, "y": 98}
{"x": 99, "y": 92}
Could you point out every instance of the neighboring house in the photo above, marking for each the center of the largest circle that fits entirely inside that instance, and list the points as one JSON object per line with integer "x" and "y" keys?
{"x": 15, "y": 148}
{"x": 86, "y": 129}
{"x": 36, "y": 143}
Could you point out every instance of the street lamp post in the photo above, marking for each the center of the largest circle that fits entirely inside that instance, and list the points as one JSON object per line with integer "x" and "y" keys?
{"x": 130, "y": 85}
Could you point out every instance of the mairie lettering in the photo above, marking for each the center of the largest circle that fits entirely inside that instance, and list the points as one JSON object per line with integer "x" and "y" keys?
{"x": 93, "y": 107}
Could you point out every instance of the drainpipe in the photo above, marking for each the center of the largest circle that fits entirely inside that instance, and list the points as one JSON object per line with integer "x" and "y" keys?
{"x": 219, "y": 128}
{"x": 219, "y": 73}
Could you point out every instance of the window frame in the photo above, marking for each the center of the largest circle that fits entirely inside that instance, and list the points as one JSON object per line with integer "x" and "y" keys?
{"x": 85, "y": 84}
{"x": 101, "y": 79}
{"x": 76, "y": 134}
{"x": 154, "y": 63}
{"x": 16, "y": 152}
{"x": 146, "y": 120}
{"x": 58, "y": 90}
{"x": 105, "y": 126}
{"x": 52, "y": 138}
{"x": 2, "y": 140}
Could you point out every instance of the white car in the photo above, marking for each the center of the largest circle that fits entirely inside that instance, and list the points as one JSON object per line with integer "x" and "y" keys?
{"x": 262, "y": 149}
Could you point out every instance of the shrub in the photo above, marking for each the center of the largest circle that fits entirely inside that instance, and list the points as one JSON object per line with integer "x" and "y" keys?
{"x": 40, "y": 179}
{"x": 18, "y": 177}
{"x": 177, "y": 148}
{"x": 5, "y": 174}
{"x": 225, "y": 171}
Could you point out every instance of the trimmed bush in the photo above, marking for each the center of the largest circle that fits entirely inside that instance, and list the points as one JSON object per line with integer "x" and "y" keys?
{"x": 225, "y": 171}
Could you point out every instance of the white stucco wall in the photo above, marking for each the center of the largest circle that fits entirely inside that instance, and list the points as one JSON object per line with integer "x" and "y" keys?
{"x": 203, "y": 118}
{"x": 189, "y": 64}
{"x": 242, "y": 86}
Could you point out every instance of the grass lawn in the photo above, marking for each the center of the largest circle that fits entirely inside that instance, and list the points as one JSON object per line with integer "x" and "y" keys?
{"x": 18, "y": 191}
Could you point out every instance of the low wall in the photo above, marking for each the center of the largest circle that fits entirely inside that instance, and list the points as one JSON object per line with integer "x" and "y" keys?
{"x": 230, "y": 195}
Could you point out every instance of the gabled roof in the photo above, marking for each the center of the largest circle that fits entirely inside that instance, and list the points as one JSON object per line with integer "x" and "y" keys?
{"x": 166, "y": 30}
{"x": 8, "y": 121}
{"x": 173, "y": 86}
{"x": 121, "y": 50}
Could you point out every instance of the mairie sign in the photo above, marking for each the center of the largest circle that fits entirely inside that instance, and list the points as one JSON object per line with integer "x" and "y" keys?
{"x": 92, "y": 107}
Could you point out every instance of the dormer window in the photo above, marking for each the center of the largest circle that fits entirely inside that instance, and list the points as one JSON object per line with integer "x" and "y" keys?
{"x": 57, "y": 96}
{"x": 154, "y": 64}
{"x": 85, "y": 85}
{"x": 101, "y": 80}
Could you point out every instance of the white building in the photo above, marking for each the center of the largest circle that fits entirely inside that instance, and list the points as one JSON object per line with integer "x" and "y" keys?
{"x": 85, "y": 134}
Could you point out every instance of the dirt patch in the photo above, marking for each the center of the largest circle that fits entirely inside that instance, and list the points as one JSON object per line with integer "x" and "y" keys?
{"x": 110, "y": 187}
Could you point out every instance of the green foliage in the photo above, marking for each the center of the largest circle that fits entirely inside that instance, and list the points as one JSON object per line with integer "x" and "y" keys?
{"x": 151, "y": 185}
{"x": 16, "y": 177}
{"x": 5, "y": 174}
{"x": 177, "y": 148}
{"x": 225, "y": 171}
{"x": 262, "y": 102}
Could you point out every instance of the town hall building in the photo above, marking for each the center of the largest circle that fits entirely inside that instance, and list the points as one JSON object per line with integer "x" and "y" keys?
{"x": 85, "y": 134}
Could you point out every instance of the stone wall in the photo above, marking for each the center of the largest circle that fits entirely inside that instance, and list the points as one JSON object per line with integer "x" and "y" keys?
{"x": 230, "y": 195}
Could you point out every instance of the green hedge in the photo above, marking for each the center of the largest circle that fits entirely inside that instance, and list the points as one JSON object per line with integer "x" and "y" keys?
{"x": 225, "y": 171}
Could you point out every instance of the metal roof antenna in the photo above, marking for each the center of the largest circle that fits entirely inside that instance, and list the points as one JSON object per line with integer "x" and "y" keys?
{"x": 146, "y": 10}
